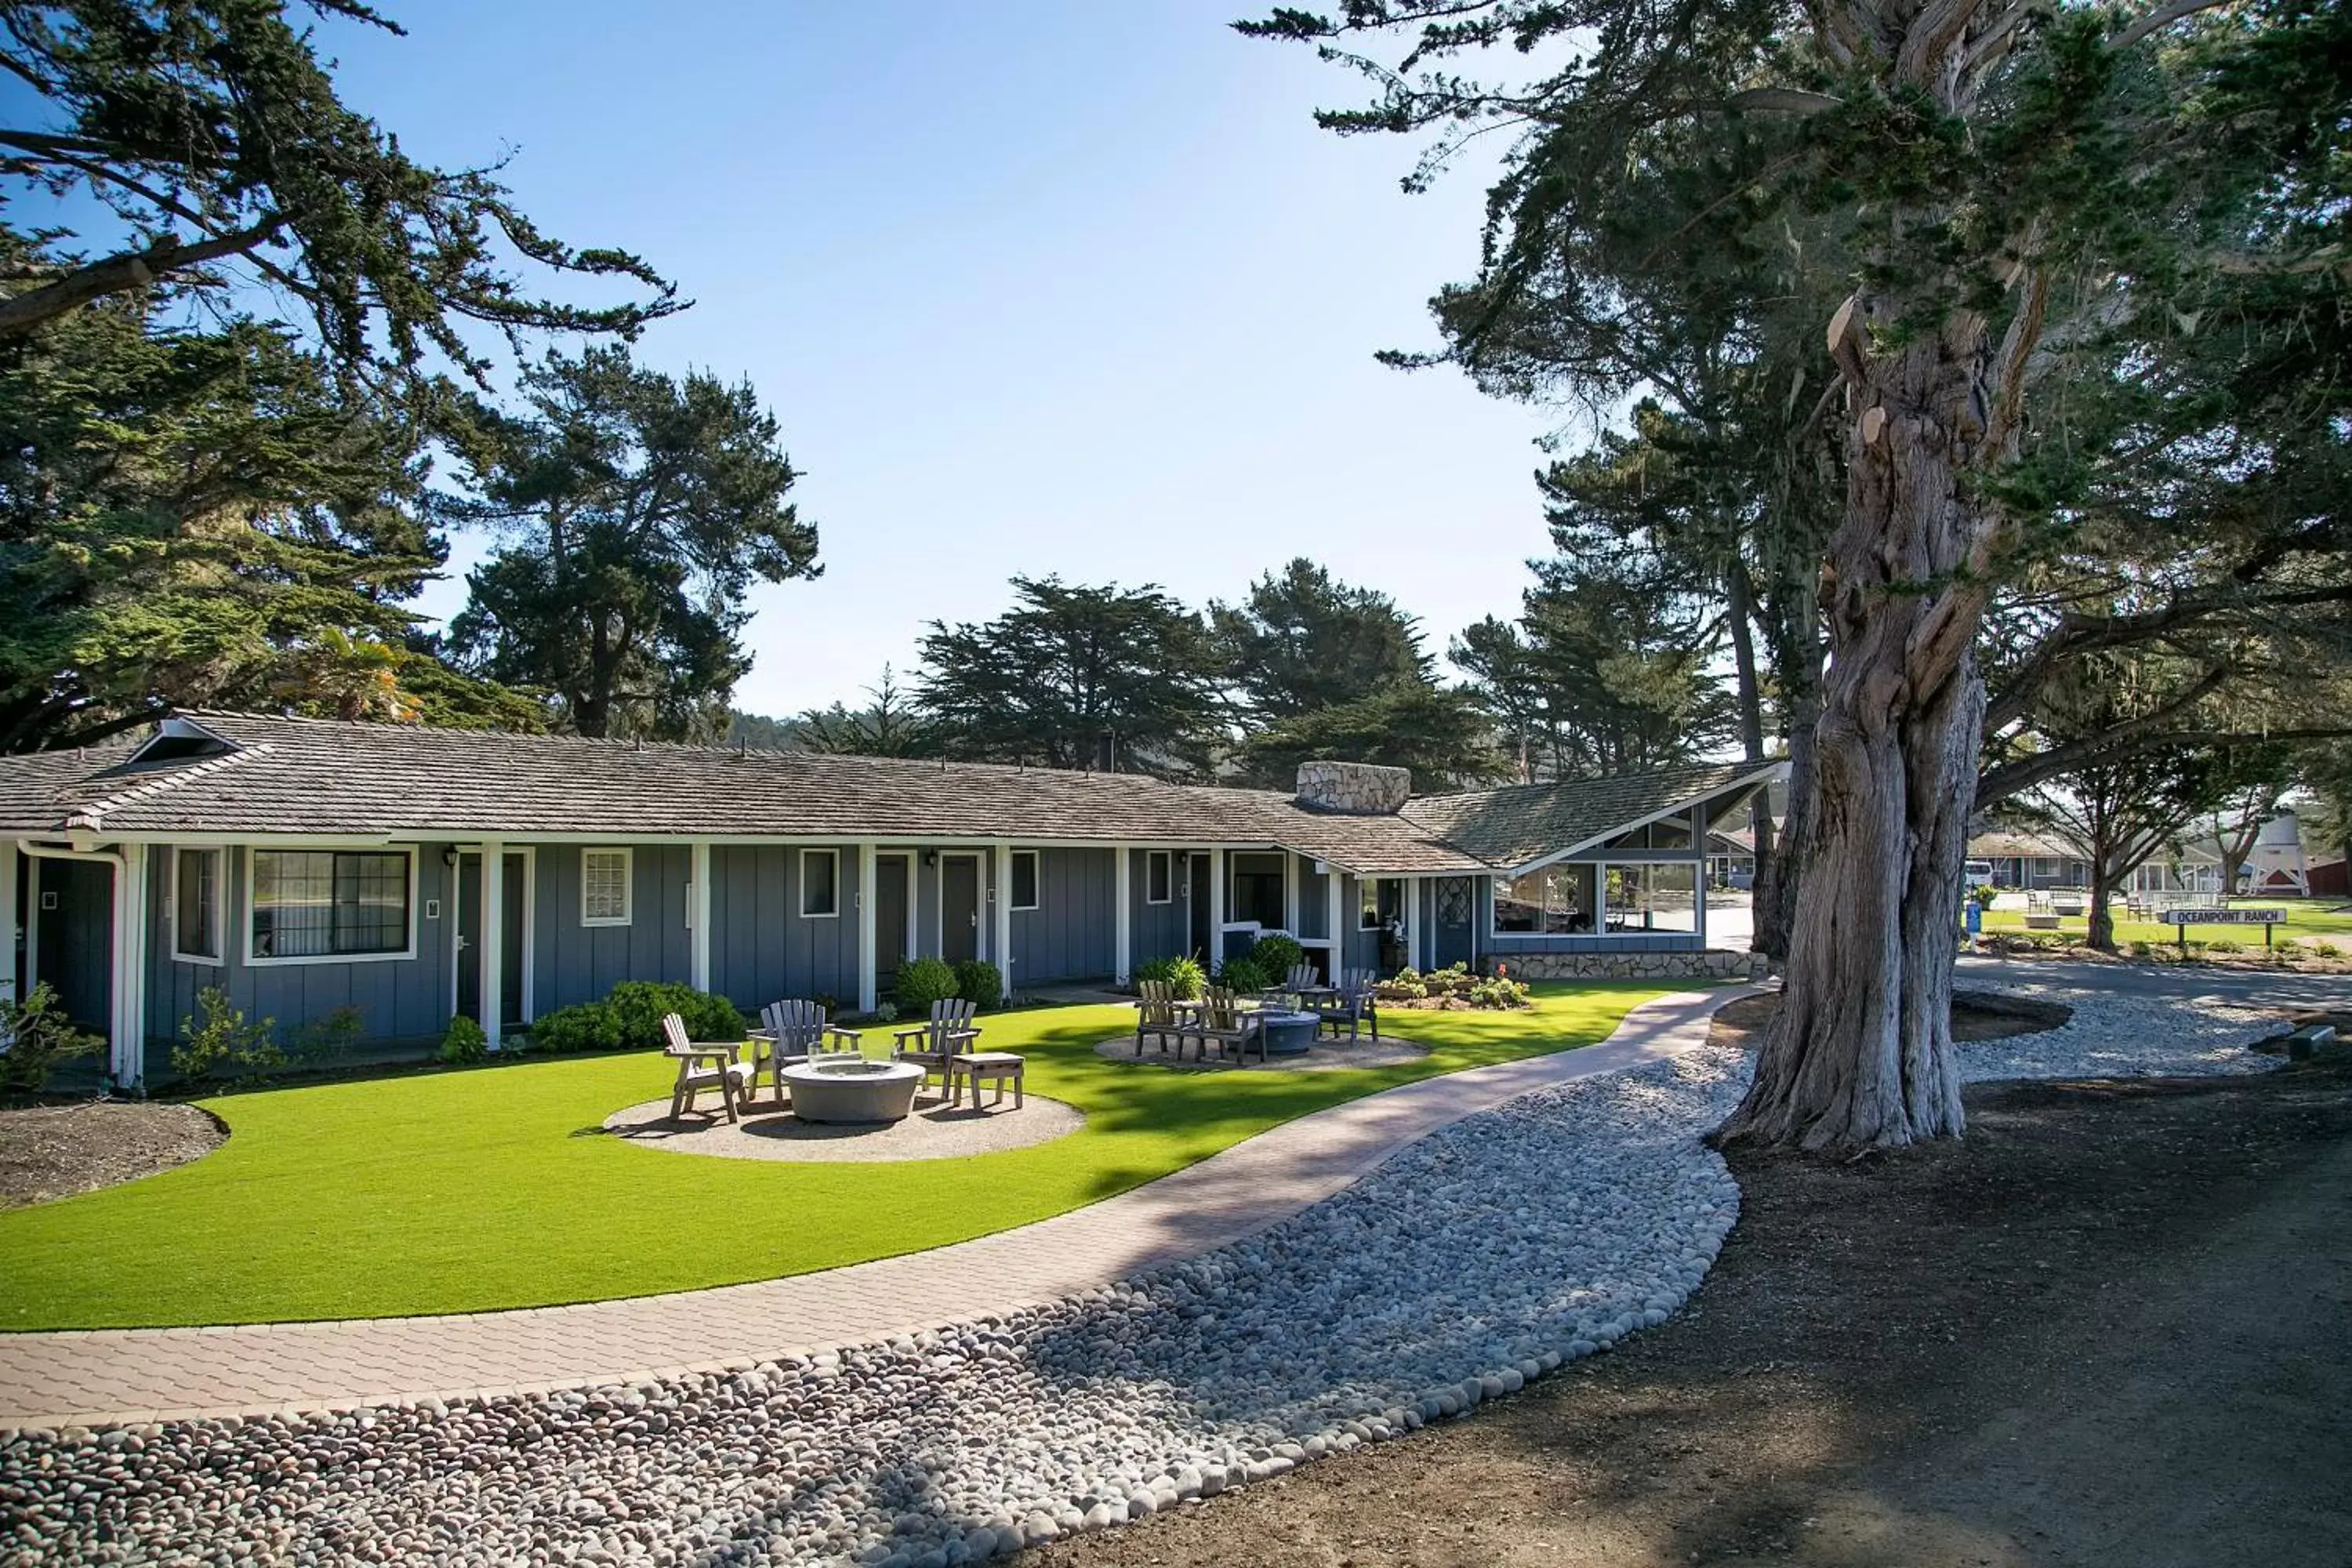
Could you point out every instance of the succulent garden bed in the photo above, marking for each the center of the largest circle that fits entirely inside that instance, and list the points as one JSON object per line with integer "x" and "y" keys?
{"x": 1453, "y": 989}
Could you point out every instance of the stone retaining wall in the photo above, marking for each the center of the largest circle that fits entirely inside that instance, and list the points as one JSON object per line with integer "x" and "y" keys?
{"x": 1714, "y": 964}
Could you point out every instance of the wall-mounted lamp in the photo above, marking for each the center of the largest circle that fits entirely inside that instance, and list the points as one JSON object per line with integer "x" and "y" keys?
{"x": 930, "y": 857}
{"x": 449, "y": 857}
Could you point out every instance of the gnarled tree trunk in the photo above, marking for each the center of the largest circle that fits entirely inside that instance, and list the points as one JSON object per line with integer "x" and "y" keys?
{"x": 1860, "y": 1054}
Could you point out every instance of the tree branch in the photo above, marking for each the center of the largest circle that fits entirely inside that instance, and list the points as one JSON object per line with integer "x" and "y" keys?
{"x": 119, "y": 274}
{"x": 2003, "y": 782}
{"x": 2162, "y": 16}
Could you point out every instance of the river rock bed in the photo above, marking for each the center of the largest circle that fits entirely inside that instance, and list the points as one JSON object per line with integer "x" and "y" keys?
{"x": 1485, "y": 1255}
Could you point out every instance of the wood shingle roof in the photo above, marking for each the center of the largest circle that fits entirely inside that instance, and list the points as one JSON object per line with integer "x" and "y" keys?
{"x": 279, "y": 775}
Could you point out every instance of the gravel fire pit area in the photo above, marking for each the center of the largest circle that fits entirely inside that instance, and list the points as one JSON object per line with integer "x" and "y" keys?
{"x": 1485, "y": 1255}
{"x": 933, "y": 1129}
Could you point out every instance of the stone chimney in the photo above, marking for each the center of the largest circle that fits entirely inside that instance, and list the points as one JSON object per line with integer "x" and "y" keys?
{"x": 1353, "y": 789}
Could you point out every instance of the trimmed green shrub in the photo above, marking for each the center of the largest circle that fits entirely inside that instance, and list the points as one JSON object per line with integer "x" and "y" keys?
{"x": 978, "y": 982}
{"x": 922, "y": 982}
{"x": 1244, "y": 975}
{"x": 885, "y": 1013}
{"x": 640, "y": 1003}
{"x": 1277, "y": 956}
{"x": 464, "y": 1044}
{"x": 225, "y": 1040}
{"x": 629, "y": 1018}
{"x": 35, "y": 1036}
{"x": 583, "y": 1027}
{"x": 1184, "y": 975}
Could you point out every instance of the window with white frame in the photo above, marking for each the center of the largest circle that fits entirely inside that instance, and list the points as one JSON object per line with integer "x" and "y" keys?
{"x": 1024, "y": 879}
{"x": 604, "y": 886}
{"x": 820, "y": 883}
{"x": 1159, "y": 876}
{"x": 1659, "y": 897}
{"x": 1381, "y": 903}
{"x": 196, "y": 906}
{"x": 329, "y": 904}
{"x": 1558, "y": 900}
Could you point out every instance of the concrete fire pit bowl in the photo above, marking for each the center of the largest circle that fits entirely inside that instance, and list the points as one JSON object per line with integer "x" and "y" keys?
{"x": 852, "y": 1089}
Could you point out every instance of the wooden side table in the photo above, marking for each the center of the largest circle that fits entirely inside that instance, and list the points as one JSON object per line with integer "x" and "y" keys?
{"x": 974, "y": 1066}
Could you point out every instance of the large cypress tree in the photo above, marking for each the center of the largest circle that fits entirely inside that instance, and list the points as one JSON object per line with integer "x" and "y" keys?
{"x": 2004, "y": 182}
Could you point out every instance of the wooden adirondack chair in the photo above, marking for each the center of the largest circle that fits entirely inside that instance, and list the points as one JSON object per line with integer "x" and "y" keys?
{"x": 1221, "y": 1017}
{"x": 1357, "y": 1004}
{"x": 793, "y": 1031}
{"x": 1155, "y": 1015}
{"x": 729, "y": 1077}
{"x": 1300, "y": 981}
{"x": 949, "y": 1031}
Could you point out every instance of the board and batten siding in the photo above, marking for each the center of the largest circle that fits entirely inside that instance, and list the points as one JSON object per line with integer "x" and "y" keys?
{"x": 581, "y": 963}
{"x": 762, "y": 949}
{"x": 1156, "y": 931}
{"x": 397, "y": 998}
{"x": 1070, "y": 934}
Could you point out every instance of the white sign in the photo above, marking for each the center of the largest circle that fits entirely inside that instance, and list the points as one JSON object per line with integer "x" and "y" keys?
{"x": 2224, "y": 917}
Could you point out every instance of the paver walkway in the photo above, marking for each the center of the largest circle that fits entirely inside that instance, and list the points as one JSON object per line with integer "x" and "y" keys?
{"x": 126, "y": 1375}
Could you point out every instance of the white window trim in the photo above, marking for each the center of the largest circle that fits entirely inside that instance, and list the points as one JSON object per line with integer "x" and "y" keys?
{"x": 220, "y": 907}
{"x": 1373, "y": 885}
{"x": 1160, "y": 856}
{"x": 628, "y": 884}
{"x": 1036, "y": 879}
{"x": 802, "y": 902}
{"x": 252, "y": 858}
{"x": 1600, "y": 904}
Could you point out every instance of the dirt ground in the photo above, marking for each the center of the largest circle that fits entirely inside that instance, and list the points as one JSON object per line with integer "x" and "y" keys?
{"x": 2114, "y": 1327}
{"x": 54, "y": 1150}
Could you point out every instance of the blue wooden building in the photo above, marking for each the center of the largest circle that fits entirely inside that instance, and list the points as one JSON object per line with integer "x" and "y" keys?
{"x": 416, "y": 874}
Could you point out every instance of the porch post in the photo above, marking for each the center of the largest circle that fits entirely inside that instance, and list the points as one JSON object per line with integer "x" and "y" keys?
{"x": 1699, "y": 909}
{"x": 8, "y": 920}
{"x": 1412, "y": 922}
{"x": 491, "y": 944}
{"x": 1290, "y": 879}
{"x": 1001, "y": 937}
{"x": 698, "y": 914}
{"x": 1122, "y": 924}
{"x": 128, "y": 1047}
{"x": 867, "y": 878}
{"x": 1331, "y": 926}
{"x": 1216, "y": 911}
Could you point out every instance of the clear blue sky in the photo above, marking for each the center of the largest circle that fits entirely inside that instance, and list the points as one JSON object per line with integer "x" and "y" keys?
{"x": 1040, "y": 286}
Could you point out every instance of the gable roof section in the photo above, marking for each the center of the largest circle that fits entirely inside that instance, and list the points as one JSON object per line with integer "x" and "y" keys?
{"x": 275, "y": 775}
{"x": 1520, "y": 823}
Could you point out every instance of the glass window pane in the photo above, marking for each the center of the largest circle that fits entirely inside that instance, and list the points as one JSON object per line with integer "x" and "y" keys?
{"x": 293, "y": 903}
{"x": 1024, "y": 880}
{"x": 1672, "y": 833}
{"x": 196, "y": 899}
{"x": 371, "y": 903}
{"x": 819, "y": 877}
{"x": 1157, "y": 875}
{"x": 605, "y": 886}
{"x": 1519, "y": 904}
{"x": 1568, "y": 900}
{"x": 1658, "y": 898}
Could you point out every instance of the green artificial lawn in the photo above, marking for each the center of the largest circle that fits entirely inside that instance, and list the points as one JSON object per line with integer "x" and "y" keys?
{"x": 491, "y": 1188}
{"x": 2305, "y": 922}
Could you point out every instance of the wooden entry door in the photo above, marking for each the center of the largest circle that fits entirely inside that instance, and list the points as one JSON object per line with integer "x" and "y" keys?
{"x": 470, "y": 948}
{"x": 890, "y": 890}
{"x": 958, "y": 907}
